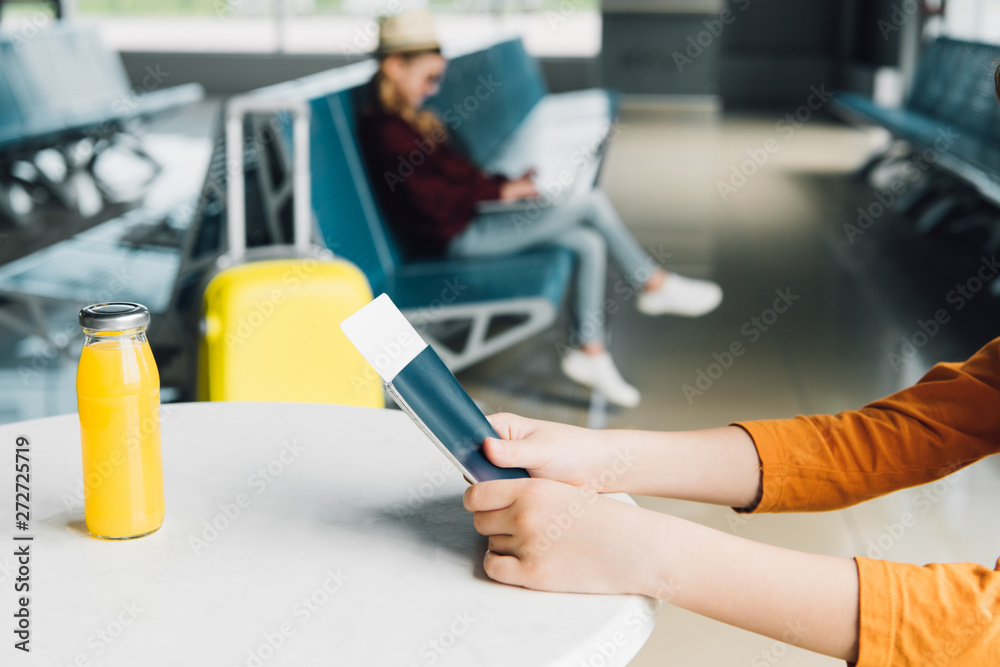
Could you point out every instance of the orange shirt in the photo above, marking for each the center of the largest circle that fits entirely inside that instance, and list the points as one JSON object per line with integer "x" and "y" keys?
{"x": 942, "y": 614}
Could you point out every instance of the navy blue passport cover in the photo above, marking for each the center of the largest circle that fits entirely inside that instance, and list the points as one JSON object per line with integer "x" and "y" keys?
{"x": 437, "y": 398}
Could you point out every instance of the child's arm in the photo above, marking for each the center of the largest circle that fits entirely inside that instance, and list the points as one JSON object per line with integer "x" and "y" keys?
{"x": 945, "y": 614}
{"x": 946, "y": 421}
{"x": 550, "y": 536}
{"x": 718, "y": 466}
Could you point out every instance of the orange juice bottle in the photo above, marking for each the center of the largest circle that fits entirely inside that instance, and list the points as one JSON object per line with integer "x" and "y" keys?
{"x": 118, "y": 393}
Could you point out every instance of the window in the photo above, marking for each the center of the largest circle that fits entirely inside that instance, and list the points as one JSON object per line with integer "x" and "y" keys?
{"x": 549, "y": 27}
{"x": 973, "y": 19}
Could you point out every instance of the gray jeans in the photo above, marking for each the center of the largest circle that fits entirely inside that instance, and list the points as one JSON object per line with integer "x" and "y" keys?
{"x": 589, "y": 226}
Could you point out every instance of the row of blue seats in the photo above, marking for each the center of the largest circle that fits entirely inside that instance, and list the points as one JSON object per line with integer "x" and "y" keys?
{"x": 61, "y": 84}
{"x": 952, "y": 102}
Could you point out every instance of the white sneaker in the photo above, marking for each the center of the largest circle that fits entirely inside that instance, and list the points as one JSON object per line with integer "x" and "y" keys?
{"x": 598, "y": 372}
{"x": 681, "y": 295}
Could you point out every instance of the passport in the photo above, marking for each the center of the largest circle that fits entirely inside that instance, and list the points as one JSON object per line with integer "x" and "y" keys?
{"x": 424, "y": 388}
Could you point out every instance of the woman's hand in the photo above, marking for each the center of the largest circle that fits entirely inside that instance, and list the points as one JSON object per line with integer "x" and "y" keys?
{"x": 577, "y": 456}
{"x": 521, "y": 188}
{"x": 551, "y": 536}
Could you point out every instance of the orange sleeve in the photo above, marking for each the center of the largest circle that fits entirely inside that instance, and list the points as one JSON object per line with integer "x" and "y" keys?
{"x": 932, "y": 615}
{"x": 949, "y": 419}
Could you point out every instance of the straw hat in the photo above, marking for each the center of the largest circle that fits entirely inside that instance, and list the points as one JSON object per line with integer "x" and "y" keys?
{"x": 407, "y": 32}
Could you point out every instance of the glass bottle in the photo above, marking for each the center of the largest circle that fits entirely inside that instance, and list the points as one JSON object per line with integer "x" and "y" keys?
{"x": 118, "y": 394}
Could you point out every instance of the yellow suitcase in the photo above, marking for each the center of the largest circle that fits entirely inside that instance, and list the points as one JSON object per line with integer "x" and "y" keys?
{"x": 271, "y": 328}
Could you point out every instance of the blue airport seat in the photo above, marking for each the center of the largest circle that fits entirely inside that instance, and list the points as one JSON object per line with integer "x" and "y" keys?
{"x": 96, "y": 264}
{"x": 56, "y": 87}
{"x": 953, "y": 96}
{"x": 31, "y": 102}
{"x": 62, "y": 84}
{"x": 485, "y": 95}
{"x": 909, "y": 125}
{"x": 537, "y": 273}
{"x": 563, "y": 132}
{"x": 951, "y": 115}
{"x": 932, "y": 82}
{"x": 497, "y": 107}
{"x": 10, "y": 118}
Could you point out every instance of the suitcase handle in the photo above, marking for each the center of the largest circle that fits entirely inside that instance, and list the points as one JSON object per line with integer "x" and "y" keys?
{"x": 236, "y": 109}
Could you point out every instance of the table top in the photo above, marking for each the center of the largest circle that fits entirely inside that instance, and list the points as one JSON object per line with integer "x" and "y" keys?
{"x": 295, "y": 535}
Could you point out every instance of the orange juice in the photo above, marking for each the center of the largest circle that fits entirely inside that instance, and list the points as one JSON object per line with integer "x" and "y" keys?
{"x": 118, "y": 390}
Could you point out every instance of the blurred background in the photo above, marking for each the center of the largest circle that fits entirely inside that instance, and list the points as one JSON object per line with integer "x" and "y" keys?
{"x": 874, "y": 210}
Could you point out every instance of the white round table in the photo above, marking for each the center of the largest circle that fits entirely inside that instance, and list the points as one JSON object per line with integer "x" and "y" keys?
{"x": 295, "y": 535}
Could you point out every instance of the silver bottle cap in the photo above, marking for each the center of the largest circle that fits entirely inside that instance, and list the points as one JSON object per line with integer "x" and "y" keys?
{"x": 116, "y": 316}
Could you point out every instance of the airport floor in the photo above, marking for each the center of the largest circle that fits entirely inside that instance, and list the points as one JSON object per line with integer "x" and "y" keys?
{"x": 775, "y": 234}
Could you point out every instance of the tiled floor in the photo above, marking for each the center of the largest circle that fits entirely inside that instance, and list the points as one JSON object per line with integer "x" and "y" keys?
{"x": 779, "y": 231}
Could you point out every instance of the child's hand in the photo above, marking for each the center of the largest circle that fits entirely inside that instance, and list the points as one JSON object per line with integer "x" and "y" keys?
{"x": 570, "y": 454}
{"x": 551, "y": 536}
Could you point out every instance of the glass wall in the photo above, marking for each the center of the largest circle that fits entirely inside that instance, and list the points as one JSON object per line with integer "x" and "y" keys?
{"x": 549, "y": 27}
{"x": 973, "y": 19}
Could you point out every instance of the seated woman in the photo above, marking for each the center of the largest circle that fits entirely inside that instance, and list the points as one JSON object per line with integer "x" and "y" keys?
{"x": 432, "y": 208}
